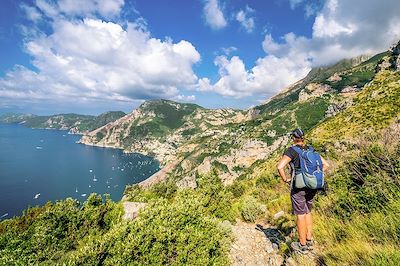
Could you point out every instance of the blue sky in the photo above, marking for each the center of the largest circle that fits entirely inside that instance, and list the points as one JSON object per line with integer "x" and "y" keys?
{"x": 97, "y": 55}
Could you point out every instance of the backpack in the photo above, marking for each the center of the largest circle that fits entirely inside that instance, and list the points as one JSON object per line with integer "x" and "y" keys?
{"x": 311, "y": 171}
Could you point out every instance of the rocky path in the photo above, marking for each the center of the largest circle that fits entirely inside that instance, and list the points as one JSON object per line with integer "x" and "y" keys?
{"x": 254, "y": 246}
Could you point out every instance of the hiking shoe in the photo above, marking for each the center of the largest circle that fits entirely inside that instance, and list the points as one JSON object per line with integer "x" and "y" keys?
{"x": 310, "y": 244}
{"x": 297, "y": 247}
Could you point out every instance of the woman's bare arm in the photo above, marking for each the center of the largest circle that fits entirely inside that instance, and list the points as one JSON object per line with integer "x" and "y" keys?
{"x": 325, "y": 164}
{"x": 285, "y": 160}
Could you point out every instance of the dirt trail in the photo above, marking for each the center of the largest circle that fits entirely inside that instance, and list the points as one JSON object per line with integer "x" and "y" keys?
{"x": 254, "y": 246}
{"x": 258, "y": 245}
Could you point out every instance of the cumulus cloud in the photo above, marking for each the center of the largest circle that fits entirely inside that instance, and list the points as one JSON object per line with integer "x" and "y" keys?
{"x": 244, "y": 18}
{"x": 267, "y": 76}
{"x": 342, "y": 29}
{"x": 95, "y": 60}
{"x": 213, "y": 15}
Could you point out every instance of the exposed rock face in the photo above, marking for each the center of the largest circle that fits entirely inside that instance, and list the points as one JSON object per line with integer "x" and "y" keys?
{"x": 392, "y": 61}
{"x": 335, "y": 77}
{"x": 243, "y": 157}
{"x": 160, "y": 175}
{"x": 313, "y": 90}
{"x": 335, "y": 108}
{"x": 252, "y": 114}
{"x": 384, "y": 64}
{"x": 350, "y": 89}
{"x": 187, "y": 182}
{"x": 395, "y": 58}
{"x": 131, "y": 209}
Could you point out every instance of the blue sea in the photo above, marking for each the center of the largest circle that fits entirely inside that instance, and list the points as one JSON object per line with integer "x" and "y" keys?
{"x": 38, "y": 165}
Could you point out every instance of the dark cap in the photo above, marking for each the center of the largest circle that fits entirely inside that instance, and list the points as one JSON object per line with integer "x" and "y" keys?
{"x": 298, "y": 133}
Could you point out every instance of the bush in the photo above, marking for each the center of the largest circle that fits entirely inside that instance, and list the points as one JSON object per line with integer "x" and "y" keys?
{"x": 237, "y": 189}
{"x": 164, "y": 189}
{"x": 251, "y": 209}
{"x": 47, "y": 233}
{"x": 214, "y": 196}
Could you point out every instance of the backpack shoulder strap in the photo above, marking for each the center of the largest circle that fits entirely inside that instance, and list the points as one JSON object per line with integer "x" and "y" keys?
{"x": 297, "y": 149}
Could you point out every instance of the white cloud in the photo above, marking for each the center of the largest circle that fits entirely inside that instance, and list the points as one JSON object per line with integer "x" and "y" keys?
{"x": 105, "y": 8}
{"x": 213, "y": 15}
{"x": 342, "y": 29}
{"x": 243, "y": 17}
{"x": 331, "y": 28}
{"x": 267, "y": 77}
{"x": 32, "y": 13}
{"x": 269, "y": 45}
{"x": 228, "y": 50}
{"x": 295, "y": 3}
{"x": 184, "y": 98}
{"x": 94, "y": 60}
{"x": 310, "y": 7}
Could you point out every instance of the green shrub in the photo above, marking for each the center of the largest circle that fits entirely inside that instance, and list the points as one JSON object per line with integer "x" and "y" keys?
{"x": 251, "y": 209}
{"x": 164, "y": 189}
{"x": 99, "y": 136}
{"x": 214, "y": 196}
{"x": 237, "y": 189}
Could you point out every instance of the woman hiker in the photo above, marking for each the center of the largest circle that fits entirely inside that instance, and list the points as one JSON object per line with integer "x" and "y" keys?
{"x": 301, "y": 198}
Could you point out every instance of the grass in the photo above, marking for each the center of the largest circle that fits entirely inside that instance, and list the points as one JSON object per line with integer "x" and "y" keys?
{"x": 376, "y": 107}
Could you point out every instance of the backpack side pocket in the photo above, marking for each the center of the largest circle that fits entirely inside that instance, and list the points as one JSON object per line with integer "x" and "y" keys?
{"x": 299, "y": 181}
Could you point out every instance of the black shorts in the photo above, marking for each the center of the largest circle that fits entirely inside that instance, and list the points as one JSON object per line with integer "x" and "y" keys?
{"x": 302, "y": 200}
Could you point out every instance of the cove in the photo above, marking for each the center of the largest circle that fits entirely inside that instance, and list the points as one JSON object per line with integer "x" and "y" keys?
{"x": 38, "y": 165}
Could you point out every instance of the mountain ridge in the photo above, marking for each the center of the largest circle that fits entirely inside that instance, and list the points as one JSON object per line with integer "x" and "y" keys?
{"x": 235, "y": 144}
{"x": 74, "y": 123}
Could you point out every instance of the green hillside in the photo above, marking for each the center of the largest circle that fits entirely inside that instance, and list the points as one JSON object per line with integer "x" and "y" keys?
{"x": 74, "y": 122}
{"x": 160, "y": 127}
{"x": 169, "y": 116}
{"x": 14, "y": 117}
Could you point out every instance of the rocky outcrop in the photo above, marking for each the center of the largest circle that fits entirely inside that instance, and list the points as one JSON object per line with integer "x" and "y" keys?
{"x": 242, "y": 157}
{"x": 392, "y": 61}
{"x": 313, "y": 90}
{"x": 350, "y": 89}
{"x": 160, "y": 175}
{"x": 335, "y": 78}
{"x": 252, "y": 114}
{"x": 383, "y": 65}
{"x": 395, "y": 57}
{"x": 131, "y": 209}
{"x": 187, "y": 182}
{"x": 336, "y": 107}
